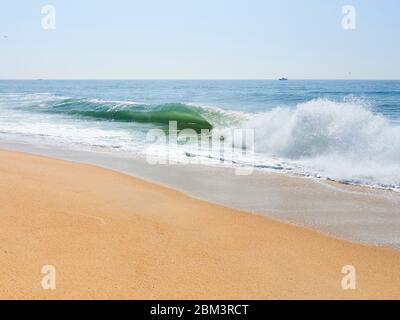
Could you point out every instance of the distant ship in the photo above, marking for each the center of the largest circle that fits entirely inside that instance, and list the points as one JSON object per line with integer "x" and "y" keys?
{"x": 283, "y": 79}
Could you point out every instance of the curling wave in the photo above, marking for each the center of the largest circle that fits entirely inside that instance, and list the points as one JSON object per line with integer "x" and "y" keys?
{"x": 186, "y": 116}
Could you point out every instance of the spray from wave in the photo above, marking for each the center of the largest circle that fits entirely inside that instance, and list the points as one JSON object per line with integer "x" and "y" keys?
{"x": 344, "y": 141}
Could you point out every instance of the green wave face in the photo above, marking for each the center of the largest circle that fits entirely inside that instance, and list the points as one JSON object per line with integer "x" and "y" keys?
{"x": 187, "y": 117}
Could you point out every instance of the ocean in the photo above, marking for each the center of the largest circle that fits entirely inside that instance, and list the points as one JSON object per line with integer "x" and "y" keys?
{"x": 347, "y": 131}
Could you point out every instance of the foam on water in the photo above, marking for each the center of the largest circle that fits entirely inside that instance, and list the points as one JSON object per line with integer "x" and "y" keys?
{"x": 343, "y": 141}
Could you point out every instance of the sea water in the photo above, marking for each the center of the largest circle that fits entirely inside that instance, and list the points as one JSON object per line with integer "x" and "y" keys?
{"x": 347, "y": 131}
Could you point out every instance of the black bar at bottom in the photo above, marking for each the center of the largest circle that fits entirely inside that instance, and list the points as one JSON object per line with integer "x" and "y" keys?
{"x": 205, "y": 309}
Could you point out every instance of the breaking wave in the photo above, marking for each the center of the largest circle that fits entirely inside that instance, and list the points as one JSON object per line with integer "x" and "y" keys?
{"x": 345, "y": 141}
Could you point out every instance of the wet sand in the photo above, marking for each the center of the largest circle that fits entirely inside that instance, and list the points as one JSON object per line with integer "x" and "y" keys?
{"x": 355, "y": 213}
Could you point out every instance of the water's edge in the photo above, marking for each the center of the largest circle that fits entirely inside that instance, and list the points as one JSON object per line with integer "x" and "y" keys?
{"x": 358, "y": 214}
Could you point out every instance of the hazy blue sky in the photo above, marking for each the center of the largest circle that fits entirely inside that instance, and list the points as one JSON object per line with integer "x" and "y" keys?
{"x": 206, "y": 39}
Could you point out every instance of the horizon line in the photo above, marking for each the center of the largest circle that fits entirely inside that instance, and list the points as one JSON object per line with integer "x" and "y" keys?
{"x": 194, "y": 79}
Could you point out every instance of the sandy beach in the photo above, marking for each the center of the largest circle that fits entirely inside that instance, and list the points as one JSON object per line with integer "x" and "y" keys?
{"x": 112, "y": 236}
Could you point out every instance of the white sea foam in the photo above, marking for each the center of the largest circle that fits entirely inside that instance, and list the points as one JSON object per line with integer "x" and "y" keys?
{"x": 344, "y": 141}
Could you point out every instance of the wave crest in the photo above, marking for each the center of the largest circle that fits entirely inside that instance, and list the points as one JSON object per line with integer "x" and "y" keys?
{"x": 186, "y": 116}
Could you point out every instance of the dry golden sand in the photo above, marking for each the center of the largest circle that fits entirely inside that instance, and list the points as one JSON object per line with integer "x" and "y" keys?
{"x": 110, "y": 235}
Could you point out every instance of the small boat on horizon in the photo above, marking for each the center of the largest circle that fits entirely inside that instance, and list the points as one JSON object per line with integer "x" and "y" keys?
{"x": 283, "y": 79}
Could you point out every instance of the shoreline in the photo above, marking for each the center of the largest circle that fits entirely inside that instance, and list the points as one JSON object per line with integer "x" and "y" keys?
{"x": 112, "y": 236}
{"x": 353, "y": 213}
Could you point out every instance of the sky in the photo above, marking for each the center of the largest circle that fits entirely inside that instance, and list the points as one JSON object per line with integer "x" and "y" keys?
{"x": 199, "y": 39}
